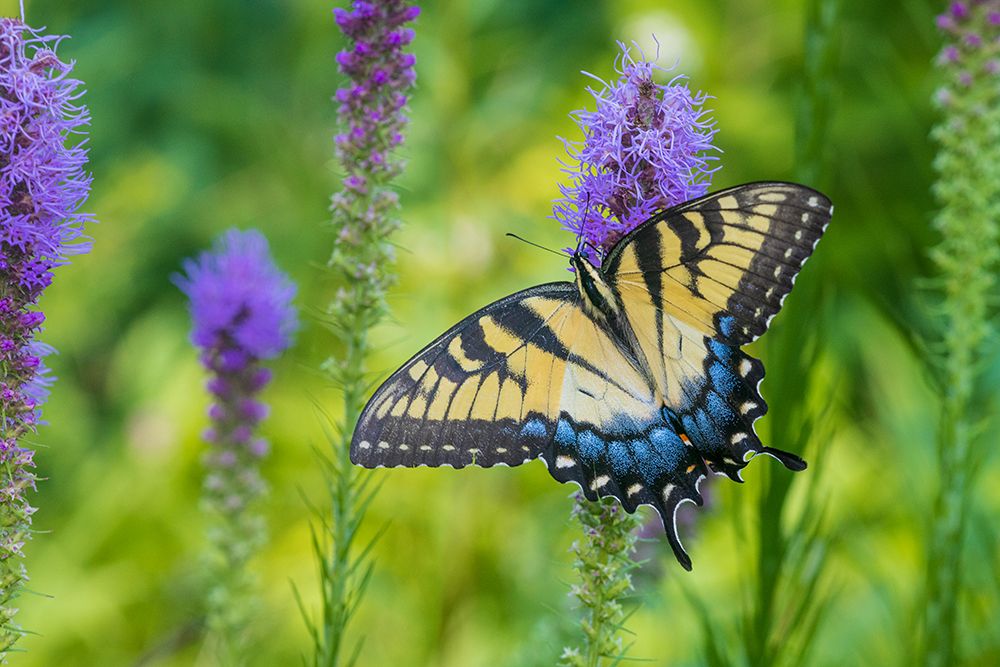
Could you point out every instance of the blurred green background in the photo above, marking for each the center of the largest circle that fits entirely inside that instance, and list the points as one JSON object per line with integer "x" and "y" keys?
{"x": 212, "y": 114}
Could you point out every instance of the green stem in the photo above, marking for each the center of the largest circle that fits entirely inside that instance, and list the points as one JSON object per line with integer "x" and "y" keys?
{"x": 968, "y": 189}
{"x": 947, "y": 533}
{"x": 340, "y": 584}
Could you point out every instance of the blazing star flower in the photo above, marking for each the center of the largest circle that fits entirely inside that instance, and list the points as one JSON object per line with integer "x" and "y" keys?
{"x": 241, "y": 308}
{"x": 42, "y": 186}
{"x": 372, "y": 114}
{"x": 240, "y": 301}
{"x": 646, "y": 147}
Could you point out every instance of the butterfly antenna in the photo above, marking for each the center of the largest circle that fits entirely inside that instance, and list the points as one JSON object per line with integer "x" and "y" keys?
{"x": 583, "y": 221}
{"x": 554, "y": 252}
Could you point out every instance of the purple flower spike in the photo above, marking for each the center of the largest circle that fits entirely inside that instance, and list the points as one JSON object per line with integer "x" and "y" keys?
{"x": 646, "y": 147}
{"x": 241, "y": 307}
{"x": 242, "y": 312}
{"x": 42, "y": 188}
{"x": 379, "y": 70}
{"x": 372, "y": 118}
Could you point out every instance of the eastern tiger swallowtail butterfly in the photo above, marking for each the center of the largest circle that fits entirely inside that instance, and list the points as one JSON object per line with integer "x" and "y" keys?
{"x": 629, "y": 381}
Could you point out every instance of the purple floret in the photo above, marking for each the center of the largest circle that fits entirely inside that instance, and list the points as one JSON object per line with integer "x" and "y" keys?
{"x": 646, "y": 147}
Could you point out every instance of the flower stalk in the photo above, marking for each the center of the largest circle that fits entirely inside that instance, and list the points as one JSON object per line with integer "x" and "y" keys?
{"x": 967, "y": 258}
{"x": 372, "y": 114}
{"x": 646, "y": 147}
{"x": 241, "y": 307}
{"x": 603, "y": 562}
{"x": 42, "y": 186}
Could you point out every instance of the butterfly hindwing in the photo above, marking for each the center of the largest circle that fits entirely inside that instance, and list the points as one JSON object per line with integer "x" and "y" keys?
{"x": 612, "y": 435}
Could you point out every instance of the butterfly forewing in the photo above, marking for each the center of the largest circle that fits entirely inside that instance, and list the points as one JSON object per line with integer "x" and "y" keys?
{"x": 484, "y": 393}
{"x": 735, "y": 252}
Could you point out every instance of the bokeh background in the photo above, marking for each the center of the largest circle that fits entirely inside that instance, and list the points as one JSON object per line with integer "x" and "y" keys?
{"x": 211, "y": 114}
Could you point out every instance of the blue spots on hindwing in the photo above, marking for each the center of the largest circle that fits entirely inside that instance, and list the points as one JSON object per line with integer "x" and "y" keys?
{"x": 650, "y": 462}
{"x": 664, "y": 438}
{"x": 706, "y": 427}
{"x": 721, "y": 350}
{"x": 720, "y": 410}
{"x": 622, "y": 426}
{"x": 534, "y": 428}
{"x": 587, "y": 443}
{"x": 692, "y": 429}
{"x": 641, "y": 450}
{"x": 727, "y": 325}
{"x": 618, "y": 455}
{"x": 565, "y": 435}
{"x": 591, "y": 445}
{"x": 667, "y": 445}
{"x": 723, "y": 378}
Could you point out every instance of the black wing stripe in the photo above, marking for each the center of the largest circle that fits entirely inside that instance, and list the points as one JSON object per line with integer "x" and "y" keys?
{"x": 649, "y": 257}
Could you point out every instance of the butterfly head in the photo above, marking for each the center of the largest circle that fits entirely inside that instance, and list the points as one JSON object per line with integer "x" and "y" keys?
{"x": 598, "y": 297}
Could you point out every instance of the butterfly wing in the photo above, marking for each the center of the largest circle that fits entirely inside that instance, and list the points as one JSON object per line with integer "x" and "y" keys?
{"x": 483, "y": 393}
{"x": 533, "y": 375}
{"x": 724, "y": 263}
{"x": 698, "y": 281}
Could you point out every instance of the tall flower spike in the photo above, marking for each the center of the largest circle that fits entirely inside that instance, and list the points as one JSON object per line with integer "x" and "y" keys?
{"x": 372, "y": 114}
{"x": 42, "y": 186}
{"x": 645, "y": 147}
{"x": 242, "y": 313}
{"x": 968, "y": 256}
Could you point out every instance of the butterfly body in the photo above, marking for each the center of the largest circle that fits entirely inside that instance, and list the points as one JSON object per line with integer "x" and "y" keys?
{"x": 629, "y": 381}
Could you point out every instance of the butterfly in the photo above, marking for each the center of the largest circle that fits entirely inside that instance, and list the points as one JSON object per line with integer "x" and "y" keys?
{"x": 629, "y": 381}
